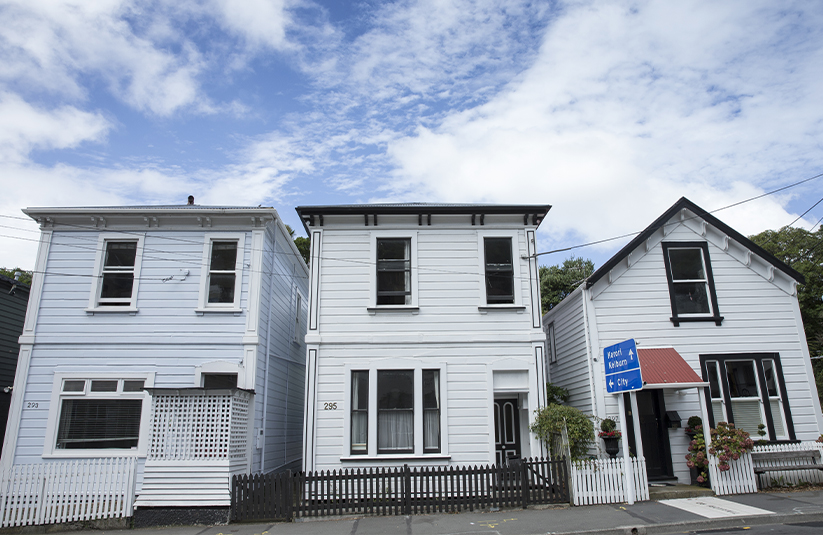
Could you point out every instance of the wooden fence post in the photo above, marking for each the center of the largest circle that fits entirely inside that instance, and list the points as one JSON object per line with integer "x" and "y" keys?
{"x": 406, "y": 489}
{"x": 524, "y": 483}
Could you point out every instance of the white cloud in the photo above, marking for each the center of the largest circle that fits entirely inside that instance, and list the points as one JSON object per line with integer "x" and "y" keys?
{"x": 630, "y": 106}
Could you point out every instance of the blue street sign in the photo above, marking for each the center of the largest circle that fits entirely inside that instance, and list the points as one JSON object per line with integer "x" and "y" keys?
{"x": 622, "y": 367}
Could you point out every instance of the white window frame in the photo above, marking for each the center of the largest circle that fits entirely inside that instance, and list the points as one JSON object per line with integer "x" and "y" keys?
{"x": 516, "y": 270}
{"x": 203, "y": 304}
{"x": 387, "y": 365}
{"x": 415, "y": 288}
{"x": 50, "y": 449}
{"x": 97, "y": 286}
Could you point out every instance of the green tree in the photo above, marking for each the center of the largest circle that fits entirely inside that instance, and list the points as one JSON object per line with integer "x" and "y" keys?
{"x": 25, "y": 276}
{"x": 548, "y": 423}
{"x": 556, "y": 282}
{"x": 803, "y": 251}
{"x": 303, "y": 244}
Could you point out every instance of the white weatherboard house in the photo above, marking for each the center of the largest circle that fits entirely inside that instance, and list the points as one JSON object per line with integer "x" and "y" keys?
{"x": 713, "y": 315}
{"x": 170, "y": 335}
{"x": 424, "y": 339}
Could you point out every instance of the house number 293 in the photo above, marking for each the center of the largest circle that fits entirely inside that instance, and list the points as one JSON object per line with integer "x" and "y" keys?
{"x": 330, "y": 406}
{"x": 31, "y": 405}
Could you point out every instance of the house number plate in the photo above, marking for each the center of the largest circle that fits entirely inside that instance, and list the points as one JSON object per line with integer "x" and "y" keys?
{"x": 330, "y": 406}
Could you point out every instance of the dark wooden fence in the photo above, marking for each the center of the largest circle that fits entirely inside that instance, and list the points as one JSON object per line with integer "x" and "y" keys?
{"x": 398, "y": 491}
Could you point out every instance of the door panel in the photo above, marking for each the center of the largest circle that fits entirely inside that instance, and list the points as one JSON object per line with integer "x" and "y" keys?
{"x": 653, "y": 433}
{"x": 506, "y": 430}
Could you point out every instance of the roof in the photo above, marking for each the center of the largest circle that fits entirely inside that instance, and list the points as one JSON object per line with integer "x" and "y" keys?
{"x": 663, "y": 366}
{"x": 538, "y": 211}
{"x": 11, "y": 281}
{"x": 142, "y": 209}
{"x": 671, "y": 212}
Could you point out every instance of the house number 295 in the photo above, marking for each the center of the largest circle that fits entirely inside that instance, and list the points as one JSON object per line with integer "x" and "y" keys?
{"x": 330, "y": 406}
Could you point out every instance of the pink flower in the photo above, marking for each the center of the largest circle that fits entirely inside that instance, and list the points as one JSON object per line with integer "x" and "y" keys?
{"x": 700, "y": 479}
{"x": 690, "y": 464}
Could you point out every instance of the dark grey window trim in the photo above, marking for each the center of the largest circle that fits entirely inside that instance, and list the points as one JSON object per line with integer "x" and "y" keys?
{"x": 758, "y": 359}
{"x": 678, "y": 319}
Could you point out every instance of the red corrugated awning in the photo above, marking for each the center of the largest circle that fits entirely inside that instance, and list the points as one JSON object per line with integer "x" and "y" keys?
{"x": 665, "y": 366}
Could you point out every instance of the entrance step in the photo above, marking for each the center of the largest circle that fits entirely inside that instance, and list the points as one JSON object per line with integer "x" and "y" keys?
{"x": 670, "y": 492}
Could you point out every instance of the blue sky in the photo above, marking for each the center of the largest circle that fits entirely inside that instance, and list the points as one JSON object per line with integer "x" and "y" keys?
{"x": 608, "y": 110}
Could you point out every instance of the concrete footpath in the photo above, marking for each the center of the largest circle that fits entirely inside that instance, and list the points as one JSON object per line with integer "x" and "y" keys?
{"x": 666, "y": 516}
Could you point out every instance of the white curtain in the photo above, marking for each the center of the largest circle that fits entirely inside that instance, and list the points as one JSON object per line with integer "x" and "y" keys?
{"x": 431, "y": 419}
{"x": 395, "y": 430}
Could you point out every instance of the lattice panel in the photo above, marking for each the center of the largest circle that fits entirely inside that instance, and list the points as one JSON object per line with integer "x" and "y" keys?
{"x": 199, "y": 426}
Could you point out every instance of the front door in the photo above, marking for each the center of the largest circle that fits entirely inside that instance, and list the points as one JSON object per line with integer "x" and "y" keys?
{"x": 653, "y": 432}
{"x": 506, "y": 430}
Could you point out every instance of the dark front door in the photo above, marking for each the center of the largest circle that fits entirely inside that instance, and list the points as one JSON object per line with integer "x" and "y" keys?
{"x": 653, "y": 432}
{"x": 506, "y": 430}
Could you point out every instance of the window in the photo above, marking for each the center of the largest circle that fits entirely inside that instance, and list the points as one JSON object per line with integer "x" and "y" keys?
{"x": 431, "y": 411}
{"x": 99, "y": 414}
{"x": 748, "y": 390}
{"x": 499, "y": 271}
{"x": 551, "y": 343}
{"x": 691, "y": 286}
{"x": 118, "y": 272}
{"x": 222, "y": 273}
{"x": 394, "y": 271}
{"x": 359, "y": 412}
{"x": 219, "y": 380}
{"x": 298, "y": 310}
{"x": 395, "y": 411}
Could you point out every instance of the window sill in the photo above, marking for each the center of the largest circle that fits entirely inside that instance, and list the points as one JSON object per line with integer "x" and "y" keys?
{"x": 393, "y": 308}
{"x": 402, "y": 457}
{"x": 677, "y": 320}
{"x": 201, "y": 311}
{"x": 106, "y": 310}
{"x": 484, "y": 309}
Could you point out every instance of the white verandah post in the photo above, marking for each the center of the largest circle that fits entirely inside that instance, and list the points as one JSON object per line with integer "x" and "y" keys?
{"x": 638, "y": 441}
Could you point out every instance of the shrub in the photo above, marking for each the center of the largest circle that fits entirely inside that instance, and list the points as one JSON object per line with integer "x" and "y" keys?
{"x": 549, "y": 420}
{"x": 556, "y": 394}
{"x": 608, "y": 429}
{"x": 693, "y": 422}
{"x": 728, "y": 444}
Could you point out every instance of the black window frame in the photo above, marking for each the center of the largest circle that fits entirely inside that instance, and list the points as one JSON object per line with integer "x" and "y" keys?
{"x": 356, "y": 409}
{"x": 678, "y": 318}
{"x": 498, "y": 270}
{"x": 758, "y": 359}
{"x": 390, "y": 265}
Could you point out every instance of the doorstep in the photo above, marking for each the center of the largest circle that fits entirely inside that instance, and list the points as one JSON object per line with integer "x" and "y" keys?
{"x": 671, "y": 492}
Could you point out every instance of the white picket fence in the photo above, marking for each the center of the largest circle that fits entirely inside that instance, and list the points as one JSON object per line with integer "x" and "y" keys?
{"x": 791, "y": 477}
{"x": 599, "y": 481}
{"x": 67, "y": 491}
{"x": 738, "y": 479}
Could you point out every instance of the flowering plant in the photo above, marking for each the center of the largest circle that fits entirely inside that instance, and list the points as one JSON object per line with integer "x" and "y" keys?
{"x": 728, "y": 444}
{"x": 608, "y": 429}
{"x": 819, "y": 439}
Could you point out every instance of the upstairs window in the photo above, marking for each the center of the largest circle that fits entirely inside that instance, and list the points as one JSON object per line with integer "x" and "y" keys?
{"x": 691, "y": 286}
{"x": 394, "y": 271}
{"x": 222, "y": 273}
{"x": 118, "y": 273}
{"x": 499, "y": 271}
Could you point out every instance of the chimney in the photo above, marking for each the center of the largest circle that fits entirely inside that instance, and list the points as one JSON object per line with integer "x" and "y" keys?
{"x": 191, "y": 200}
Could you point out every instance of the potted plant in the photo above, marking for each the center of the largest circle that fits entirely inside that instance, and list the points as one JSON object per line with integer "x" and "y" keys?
{"x": 696, "y": 459}
{"x": 610, "y": 436}
{"x": 692, "y": 423}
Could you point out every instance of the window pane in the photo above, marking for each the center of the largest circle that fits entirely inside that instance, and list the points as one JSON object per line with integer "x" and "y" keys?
{"x": 395, "y": 411}
{"x": 431, "y": 411}
{"x": 717, "y": 411}
{"x": 360, "y": 412}
{"x": 133, "y": 386}
{"x": 687, "y": 264}
{"x": 714, "y": 381}
{"x": 747, "y": 415}
{"x": 394, "y": 249}
{"x": 777, "y": 418}
{"x": 117, "y": 286}
{"x": 771, "y": 384}
{"x": 74, "y": 386}
{"x": 223, "y": 256}
{"x": 120, "y": 254}
{"x": 104, "y": 386}
{"x": 499, "y": 289}
{"x": 99, "y": 423}
{"x": 219, "y": 380}
{"x": 392, "y": 281}
{"x": 221, "y": 288}
{"x": 742, "y": 381}
{"x": 691, "y": 298}
{"x": 498, "y": 250}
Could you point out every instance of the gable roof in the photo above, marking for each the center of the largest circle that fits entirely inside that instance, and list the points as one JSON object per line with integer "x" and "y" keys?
{"x": 671, "y": 212}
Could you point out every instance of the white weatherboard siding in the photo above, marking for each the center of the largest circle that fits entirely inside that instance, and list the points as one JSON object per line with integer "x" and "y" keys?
{"x": 571, "y": 371}
{"x": 759, "y": 317}
{"x": 449, "y": 328}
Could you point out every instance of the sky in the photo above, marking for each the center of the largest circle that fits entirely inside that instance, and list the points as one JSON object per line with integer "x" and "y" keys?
{"x": 608, "y": 110}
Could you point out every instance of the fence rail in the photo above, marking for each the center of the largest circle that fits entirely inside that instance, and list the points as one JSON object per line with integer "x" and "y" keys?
{"x": 600, "y": 481}
{"x": 398, "y": 491}
{"x": 67, "y": 491}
